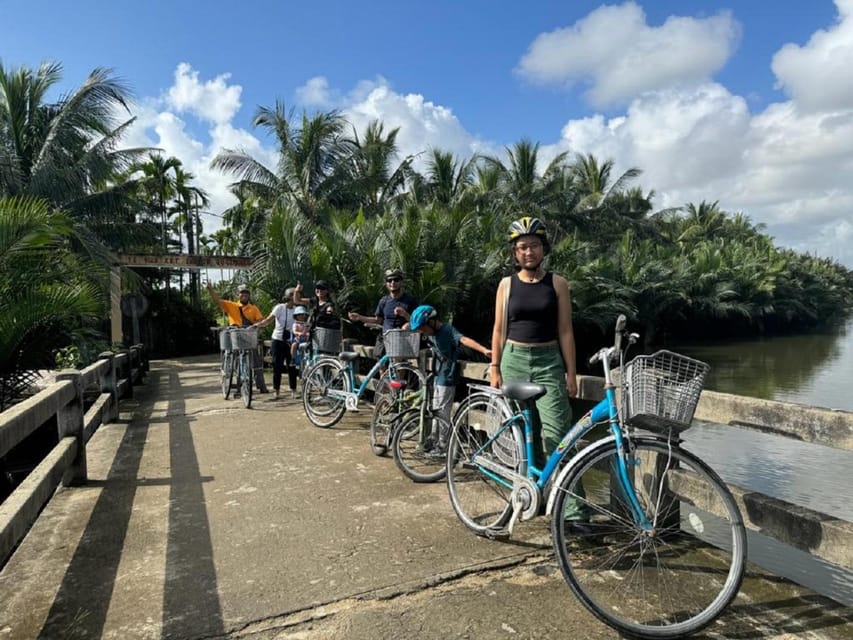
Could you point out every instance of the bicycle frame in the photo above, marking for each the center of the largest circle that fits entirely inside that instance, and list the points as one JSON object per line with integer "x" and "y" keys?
{"x": 605, "y": 411}
{"x": 351, "y": 398}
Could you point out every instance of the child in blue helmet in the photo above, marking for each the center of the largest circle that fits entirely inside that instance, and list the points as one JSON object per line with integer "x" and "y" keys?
{"x": 445, "y": 339}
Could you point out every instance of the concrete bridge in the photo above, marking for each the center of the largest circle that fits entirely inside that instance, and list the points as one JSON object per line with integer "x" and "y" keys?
{"x": 201, "y": 519}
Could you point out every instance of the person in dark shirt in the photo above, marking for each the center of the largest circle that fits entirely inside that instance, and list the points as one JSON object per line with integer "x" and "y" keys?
{"x": 393, "y": 309}
{"x": 533, "y": 340}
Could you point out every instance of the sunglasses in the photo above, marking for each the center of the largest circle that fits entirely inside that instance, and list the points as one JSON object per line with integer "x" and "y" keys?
{"x": 393, "y": 279}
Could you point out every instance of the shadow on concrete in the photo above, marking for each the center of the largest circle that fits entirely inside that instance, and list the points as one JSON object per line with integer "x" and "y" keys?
{"x": 791, "y": 615}
{"x": 190, "y": 602}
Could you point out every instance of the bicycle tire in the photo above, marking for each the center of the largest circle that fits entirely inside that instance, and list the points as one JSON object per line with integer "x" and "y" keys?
{"x": 226, "y": 374}
{"x": 322, "y": 410}
{"x": 480, "y": 502}
{"x": 667, "y": 583}
{"x": 246, "y": 379}
{"x": 416, "y": 450}
{"x": 388, "y": 404}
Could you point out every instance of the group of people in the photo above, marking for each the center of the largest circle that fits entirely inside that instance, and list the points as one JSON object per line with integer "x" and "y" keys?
{"x": 532, "y": 336}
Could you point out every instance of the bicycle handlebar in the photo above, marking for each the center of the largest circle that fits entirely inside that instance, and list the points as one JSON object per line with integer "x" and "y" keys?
{"x": 609, "y": 354}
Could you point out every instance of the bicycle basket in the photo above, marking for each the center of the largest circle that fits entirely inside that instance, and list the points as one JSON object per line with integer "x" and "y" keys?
{"x": 402, "y": 343}
{"x": 326, "y": 340}
{"x": 662, "y": 390}
{"x": 224, "y": 340}
{"x": 244, "y": 339}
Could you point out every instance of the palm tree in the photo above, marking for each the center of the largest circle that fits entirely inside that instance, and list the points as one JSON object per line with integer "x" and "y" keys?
{"x": 48, "y": 295}
{"x": 158, "y": 187}
{"x": 308, "y": 158}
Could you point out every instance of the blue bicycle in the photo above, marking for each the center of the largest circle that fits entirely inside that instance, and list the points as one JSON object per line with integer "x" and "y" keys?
{"x": 647, "y": 535}
{"x": 329, "y": 388}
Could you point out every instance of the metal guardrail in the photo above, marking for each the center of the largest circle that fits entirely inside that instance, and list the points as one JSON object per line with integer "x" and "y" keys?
{"x": 113, "y": 375}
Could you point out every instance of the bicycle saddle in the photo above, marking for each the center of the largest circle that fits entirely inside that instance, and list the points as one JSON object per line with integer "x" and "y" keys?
{"x": 347, "y": 356}
{"x": 523, "y": 390}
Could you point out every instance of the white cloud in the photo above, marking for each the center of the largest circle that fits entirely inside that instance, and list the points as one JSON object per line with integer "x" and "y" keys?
{"x": 215, "y": 100}
{"x": 423, "y": 124}
{"x": 314, "y": 93}
{"x": 813, "y": 74}
{"x": 619, "y": 56}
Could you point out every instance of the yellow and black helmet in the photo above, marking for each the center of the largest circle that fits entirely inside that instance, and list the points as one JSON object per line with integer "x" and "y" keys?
{"x": 528, "y": 226}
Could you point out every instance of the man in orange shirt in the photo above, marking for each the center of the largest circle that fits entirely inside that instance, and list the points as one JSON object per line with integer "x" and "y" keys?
{"x": 243, "y": 314}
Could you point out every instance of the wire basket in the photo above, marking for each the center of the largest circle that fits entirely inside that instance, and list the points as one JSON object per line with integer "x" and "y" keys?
{"x": 402, "y": 343}
{"x": 662, "y": 390}
{"x": 224, "y": 340}
{"x": 326, "y": 340}
{"x": 244, "y": 339}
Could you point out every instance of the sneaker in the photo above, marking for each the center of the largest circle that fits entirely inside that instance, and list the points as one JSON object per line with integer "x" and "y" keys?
{"x": 276, "y": 395}
{"x": 580, "y": 528}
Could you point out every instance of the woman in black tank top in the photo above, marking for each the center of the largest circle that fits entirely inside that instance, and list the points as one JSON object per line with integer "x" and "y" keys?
{"x": 532, "y": 339}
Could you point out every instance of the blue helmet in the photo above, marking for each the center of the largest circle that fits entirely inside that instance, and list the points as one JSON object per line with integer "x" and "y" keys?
{"x": 420, "y": 316}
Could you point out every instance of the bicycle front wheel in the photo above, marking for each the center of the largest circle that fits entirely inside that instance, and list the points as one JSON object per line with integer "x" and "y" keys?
{"x": 481, "y": 501}
{"x": 226, "y": 374}
{"x": 246, "y": 378}
{"x": 417, "y": 446}
{"x": 323, "y": 409}
{"x": 667, "y": 581}
{"x": 390, "y": 403}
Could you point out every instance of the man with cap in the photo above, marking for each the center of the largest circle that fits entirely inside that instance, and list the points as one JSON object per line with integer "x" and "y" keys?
{"x": 393, "y": 309}
{"x": 242, "y": 313}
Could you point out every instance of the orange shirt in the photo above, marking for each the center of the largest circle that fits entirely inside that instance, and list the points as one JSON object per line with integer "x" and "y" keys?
{"x": 232, "y": 310}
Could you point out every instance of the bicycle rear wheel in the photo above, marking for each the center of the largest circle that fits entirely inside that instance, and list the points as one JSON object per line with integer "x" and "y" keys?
{"x": 480, "y": 501}
{"x": 246, "y": 376}
{"x": 322, "y": 409}
{"x": 389, "y": 403}
{"x": 226, "y": 373}
{"x": 670, "y": 581}
{"x": 416, "y": 446}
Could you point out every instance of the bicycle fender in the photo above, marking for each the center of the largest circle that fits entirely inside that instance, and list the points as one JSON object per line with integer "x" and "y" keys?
{"x": 552, "y": 495}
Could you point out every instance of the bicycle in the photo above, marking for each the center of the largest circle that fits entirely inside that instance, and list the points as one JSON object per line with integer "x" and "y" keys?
{"x": 244, "y": 344}
{"x": 394, "y": 394}
{"x": 416, "y": 433}
{"x": 324, "y": 343}
{"x": 329, "y": 389}
{"x": 659, "y": 550}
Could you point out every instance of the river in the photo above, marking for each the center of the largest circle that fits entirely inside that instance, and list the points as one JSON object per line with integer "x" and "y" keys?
{"x": 814, "y": 369}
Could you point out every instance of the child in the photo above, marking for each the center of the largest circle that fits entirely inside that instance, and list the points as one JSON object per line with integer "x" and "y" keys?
{"x": 299, "y": 331}
{"x": 445, "y": 338}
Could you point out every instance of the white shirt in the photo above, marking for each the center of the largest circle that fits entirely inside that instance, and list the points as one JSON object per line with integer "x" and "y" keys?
{"x": 283, "y": 321}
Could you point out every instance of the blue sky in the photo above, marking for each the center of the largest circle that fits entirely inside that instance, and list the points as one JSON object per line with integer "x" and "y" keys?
{"x": 748, "y": 103}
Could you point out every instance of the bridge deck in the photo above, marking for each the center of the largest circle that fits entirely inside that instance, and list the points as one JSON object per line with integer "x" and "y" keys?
{"x": 205, "y": 520}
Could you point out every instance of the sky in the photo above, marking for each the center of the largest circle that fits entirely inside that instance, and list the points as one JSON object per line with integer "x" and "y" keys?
{"x": 749, "y": 104}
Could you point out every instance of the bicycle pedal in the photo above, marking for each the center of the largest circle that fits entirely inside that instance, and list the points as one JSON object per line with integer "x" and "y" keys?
{"x": 497, "y": 534}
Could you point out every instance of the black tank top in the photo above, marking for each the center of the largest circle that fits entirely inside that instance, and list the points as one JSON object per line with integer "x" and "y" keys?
{"x": 532, "y": 310}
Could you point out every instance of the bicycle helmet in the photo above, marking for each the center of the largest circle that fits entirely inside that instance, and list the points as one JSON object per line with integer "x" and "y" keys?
{"x": 393, "y": 273}
{"x": 528, "y": 226}
{"x": 242, "y": 288}
{"x": 288, "y": 294}
{"x": 322, "y": 284}
{"x": 300, "y": 310}
{"x": 421, "y": 316}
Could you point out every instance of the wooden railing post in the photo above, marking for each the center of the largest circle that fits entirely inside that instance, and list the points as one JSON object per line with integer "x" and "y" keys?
{"x": 69, "y": 422}
{"x": 109, "y": 384}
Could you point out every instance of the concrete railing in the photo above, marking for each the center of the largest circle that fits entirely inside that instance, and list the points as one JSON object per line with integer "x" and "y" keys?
{"x": 112, "y": 377}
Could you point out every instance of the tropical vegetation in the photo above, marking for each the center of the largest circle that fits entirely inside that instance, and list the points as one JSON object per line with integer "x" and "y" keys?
{"x": 344, "y": 205}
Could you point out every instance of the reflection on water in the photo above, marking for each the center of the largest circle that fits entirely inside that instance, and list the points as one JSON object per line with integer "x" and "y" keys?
{"x": 815, "y": 369}
{"x": 816, "y": 477}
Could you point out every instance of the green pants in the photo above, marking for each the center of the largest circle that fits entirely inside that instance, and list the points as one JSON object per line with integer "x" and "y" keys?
{"x": 543, "y": 365}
